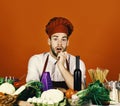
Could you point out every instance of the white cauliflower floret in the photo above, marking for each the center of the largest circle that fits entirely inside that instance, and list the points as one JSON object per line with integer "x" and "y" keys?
{"x": 7, "y": 88}
{"x": 53, "y": 94}
{"x": 49, "y": 97}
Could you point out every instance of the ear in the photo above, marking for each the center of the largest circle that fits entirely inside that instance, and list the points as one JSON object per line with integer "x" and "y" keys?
{"x": 48, "y": 41}
{"x": 68, "y": 43}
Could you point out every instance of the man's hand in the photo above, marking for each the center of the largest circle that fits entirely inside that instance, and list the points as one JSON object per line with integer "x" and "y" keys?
{"x": 62, "y": 56}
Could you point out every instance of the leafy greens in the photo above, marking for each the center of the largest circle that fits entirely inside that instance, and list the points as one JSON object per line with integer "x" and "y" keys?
{"x": 96, "y": 92}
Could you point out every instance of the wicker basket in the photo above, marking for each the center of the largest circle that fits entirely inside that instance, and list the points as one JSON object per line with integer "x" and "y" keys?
{"x": 7, "y": 100}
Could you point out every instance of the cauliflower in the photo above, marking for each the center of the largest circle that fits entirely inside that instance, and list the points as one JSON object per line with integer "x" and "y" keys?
{"x": 50, "y": 97}
{"x": 7, "y": 88}
{"x": 53, "y": 94}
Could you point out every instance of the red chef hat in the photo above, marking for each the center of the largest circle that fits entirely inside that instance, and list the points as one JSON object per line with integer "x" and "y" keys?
{"x": 59, "y": 24}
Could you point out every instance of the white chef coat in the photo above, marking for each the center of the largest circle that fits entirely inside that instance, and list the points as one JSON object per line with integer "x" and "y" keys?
{"x": 36, "y": 65}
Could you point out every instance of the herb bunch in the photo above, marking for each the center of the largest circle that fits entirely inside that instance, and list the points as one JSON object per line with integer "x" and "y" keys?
{"x": 96, "y": 93}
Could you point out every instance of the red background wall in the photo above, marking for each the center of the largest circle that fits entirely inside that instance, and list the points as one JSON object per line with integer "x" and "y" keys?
{"x": 96, "y": 36}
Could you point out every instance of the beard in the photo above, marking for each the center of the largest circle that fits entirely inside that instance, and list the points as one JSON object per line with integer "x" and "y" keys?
{"x": 56, "y": 53}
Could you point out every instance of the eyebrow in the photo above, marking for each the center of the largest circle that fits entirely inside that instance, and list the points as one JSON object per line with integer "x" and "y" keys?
{"x": 55, "y": 36}
{"x": 58, "y": 35}
{"x": 64, "y": 37}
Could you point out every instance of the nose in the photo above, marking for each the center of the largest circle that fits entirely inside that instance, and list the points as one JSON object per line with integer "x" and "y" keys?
{"x": 59, "y": 42}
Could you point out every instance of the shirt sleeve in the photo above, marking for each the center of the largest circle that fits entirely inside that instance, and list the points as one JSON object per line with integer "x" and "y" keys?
{"x": 33, "y": 73}
{"x": 83, "y": 69}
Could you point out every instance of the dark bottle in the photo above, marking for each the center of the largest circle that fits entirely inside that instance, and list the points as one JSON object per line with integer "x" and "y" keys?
{"x": 77, "y": 75}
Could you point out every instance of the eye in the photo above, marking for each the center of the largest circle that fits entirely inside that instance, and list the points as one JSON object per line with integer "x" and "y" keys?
{"x": 55, "y": 39}
{"x": 64, "y": 39}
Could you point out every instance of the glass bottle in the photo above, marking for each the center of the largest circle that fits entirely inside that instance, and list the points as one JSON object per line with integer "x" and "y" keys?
{"x": 77, "y": 75}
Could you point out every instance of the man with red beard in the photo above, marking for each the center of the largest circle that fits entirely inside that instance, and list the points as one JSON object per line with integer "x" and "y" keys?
{"x": 57, "y": 61}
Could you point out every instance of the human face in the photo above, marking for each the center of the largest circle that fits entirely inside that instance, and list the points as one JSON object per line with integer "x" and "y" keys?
{"x": 58, "y": 43}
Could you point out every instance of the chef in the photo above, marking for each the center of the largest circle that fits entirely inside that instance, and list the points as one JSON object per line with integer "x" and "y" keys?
{"x": 58, "y": 62}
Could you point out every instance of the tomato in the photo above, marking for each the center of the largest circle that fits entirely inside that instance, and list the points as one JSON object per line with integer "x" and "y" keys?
{"x": 18, "y": 84}
{"x": 69, "y": 93}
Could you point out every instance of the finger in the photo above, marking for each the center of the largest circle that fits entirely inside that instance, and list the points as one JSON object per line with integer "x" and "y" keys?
{"x": 58, "y": 57}
{"x": 65, "y": 53}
